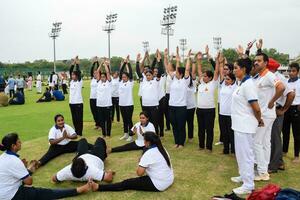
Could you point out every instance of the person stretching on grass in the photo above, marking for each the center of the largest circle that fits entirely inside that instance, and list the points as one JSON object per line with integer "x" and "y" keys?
{"x": 16, "y": 181}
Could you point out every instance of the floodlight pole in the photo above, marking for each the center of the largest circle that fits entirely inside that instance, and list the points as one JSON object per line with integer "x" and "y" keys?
{"x": 54, "y": 34}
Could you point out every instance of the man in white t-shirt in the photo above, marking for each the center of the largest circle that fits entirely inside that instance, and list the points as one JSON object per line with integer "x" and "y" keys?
{"x": 269, "y": 89}
{"x": 89, "y": 163}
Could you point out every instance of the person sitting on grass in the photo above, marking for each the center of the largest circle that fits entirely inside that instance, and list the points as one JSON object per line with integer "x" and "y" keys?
{"x": 60, "y": 139}
{"x": 139, "y": 129}
{"x": 46, "y": 96}
{"x": 87, "y": 164}
{"x": 16, "y": 181}
{"x": 58, "y": 95}
{"x": 3, "y": 99}
{"x": 155, "y": 163}
{"x": 17, "y": 99}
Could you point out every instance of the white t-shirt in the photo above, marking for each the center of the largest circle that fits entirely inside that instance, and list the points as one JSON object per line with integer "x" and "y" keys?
{"x": 141, "y": 84}
{"x": 140, "y": 138}
{"x": 95, "y": 170}
{"x": 115, "y": 87}
{"x": 162, "y": 87}
{"x": 295, "y": 86}
{"x": 75, "y": 92}
{"x": 38, "y": 77}
{"x": 226, "y": 97}
{"x": 281, "y": 101}
{"x": 104, "y": 94}
{"x": 54, "y": 79}
{"x": 94, "y": 85}
{"x": 150, "y": 92}
{"x": 56, "y": 133}
{"x": 12, "y": 173}
{"x": 178, "y": 91}
{"x": 206, "y": 94}
{"x": 266, "y": 83}
{"x": 157, "y": 169}
{"x": 242, "y": 116}
{"x": 125, "y": 93}
{"x": 191, "y": 96}
{"x": 168, "y": 83}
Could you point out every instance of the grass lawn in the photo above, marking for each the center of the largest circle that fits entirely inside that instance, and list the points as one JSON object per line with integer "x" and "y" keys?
{"x": 198, "y": 174}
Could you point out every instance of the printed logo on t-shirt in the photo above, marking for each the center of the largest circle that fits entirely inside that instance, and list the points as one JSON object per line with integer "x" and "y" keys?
{"x": 206, "y": 89}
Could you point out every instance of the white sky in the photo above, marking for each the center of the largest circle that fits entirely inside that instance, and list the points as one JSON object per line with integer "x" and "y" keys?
{"x": 25, "y": 24}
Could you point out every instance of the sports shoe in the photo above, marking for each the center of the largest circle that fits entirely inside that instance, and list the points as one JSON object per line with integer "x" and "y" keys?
{"x": 262, "y": 177}
{"x": 241, "y": 191}
{"x": 124, "y": 137}
{"x": 236, "y": 179}
{"x": 129, "y": 139}
{"x": 218, "y": 143}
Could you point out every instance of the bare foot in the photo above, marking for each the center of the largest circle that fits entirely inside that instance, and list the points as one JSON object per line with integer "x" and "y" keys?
{"x": 84, "y": 189}
{"x": 176, "y": 146}
{"x": 108, "y": 150}
{"x": 94, "y": 186}
{"x": 180, "y": 146}
{"x": 296, "y": 160}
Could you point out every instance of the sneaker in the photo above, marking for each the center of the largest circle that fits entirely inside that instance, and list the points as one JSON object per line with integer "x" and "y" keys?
{"x": 236, "y": 179}
{"x": 262, "y": 177}
{"x": 129, "y": 139}
{"x": 241, "y": 191}
{"x": 218, "y": 143}
{"x": 124, "y": 137}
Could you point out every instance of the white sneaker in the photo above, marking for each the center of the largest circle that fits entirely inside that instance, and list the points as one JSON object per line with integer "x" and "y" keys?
{"x": 124, "y": 137}
{"x": 129, "y": 139}
{"x": 236, "y": 179}
{"x": 241, "y": 191}
{"x": 218, "y": 143}
{"x": 262, "y": 177}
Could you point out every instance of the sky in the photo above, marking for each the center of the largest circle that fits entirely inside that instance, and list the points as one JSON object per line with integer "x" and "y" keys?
{"x": 25, "y": 24}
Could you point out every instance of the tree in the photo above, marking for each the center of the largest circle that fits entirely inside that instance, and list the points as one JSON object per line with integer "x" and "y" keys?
{"x": 230, "y": 54}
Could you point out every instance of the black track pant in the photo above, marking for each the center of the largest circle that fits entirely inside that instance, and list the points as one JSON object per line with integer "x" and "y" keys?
{"x": 206, "y": 121}
{"x": 126, "y": 112}
{"x": 227, "y": 133}
{"x": 153, "y": 115}
{"x": 77, "y": 117}
{"x": 57, "y": 150}
{"x": 127, "y": 147}
{"x": 161, "y": 113}
{"x": 93, "y": 107}
{"x": 190, "y": 122}
{"x": 221, "y": 134}
{"x": 142, "y": 183}
{"x": 292, "y": 116}
{"x": 98, "y": 149}
{"x": 167, "y": 115}
{"x": 33, "y": 193}
{"x": 104, "y": 117}
{"x": 178, "y": 119}
{"x": 11, "y": 93}
{"x": 64, "y": 88}
{"x": 115, "y": 108}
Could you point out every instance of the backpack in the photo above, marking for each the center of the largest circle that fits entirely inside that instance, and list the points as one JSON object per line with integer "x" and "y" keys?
{"x": 288, "y": 194}
{"x": 268, "y": 192}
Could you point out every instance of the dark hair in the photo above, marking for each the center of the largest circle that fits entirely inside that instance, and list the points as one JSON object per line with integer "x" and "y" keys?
{"x": 8, "y": 141}
{"x": 126, "y": 74}
{"x": 209, "y": 73}
{"x": 149, "y": 71}
{"x": 145, "y": 114}
{"x": 265, "y": 56}
{"x": 47, "y": 89}
{"x": 295, "y": 65}
{"x": 181, "y": 70}
{"x": 230, "y": 66}
{"x": 103, "y": 73}
{"x": 155, "y": 140}
{"x": 57, "y": 116}
{"x": 231, "y": 76}
{"x": 76, "y": 73}
{"x": 245, "y": 63}
{"x": 78, "y": 167}
{"x": 146, "y": 66}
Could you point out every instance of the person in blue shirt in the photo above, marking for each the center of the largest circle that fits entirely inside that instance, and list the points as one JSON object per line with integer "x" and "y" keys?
{"x": 18, "y": 99}
{"x": 11, "y": 86}
{"x": 2, "y": 84}
{"x": 58, "y": 95}
{"x": 46, "y": 96}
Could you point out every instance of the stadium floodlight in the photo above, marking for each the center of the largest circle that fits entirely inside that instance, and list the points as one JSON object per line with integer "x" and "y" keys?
{"x": 146, "y": 46}
{"x": 217, "y": 43}
{"x": 183, "y": 47}
{"x": 56, "y": 28}
{"x": 109, "y": 27}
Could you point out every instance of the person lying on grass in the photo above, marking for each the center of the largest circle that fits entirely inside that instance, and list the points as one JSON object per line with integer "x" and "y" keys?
{"x": 139, "y": 128}
{"x": 86, "y": 164}
{"x": 155, "y": 163}
{"x": 16, "y": 181}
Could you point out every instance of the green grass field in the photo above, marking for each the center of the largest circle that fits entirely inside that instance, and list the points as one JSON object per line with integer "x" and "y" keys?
{"x": 198, "y": 174}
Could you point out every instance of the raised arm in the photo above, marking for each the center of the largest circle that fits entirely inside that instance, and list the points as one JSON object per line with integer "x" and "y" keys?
{"x": 199, "y": 64}
{"x": 137, "y": 68}
{"x": 188, "y": 64}
{"x": 130, "y": 70}
{"x": 98, "y": 72}
{"x": 143, "y": 61}
{"x": 217, "y": 67}
{"x": 77, "y": 68}
{"x": 122, "y": 69}
{"x": 107, "y": 70}
{"x": 259, "y": 45}
{"x": 177, "y": 58}
{"x": 160, "y": 64}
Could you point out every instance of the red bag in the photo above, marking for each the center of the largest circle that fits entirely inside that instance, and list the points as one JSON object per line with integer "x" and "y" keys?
{"x": 268, "y": 192}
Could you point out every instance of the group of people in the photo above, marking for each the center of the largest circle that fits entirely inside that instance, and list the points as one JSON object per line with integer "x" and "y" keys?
{"x": 255, "y": 104}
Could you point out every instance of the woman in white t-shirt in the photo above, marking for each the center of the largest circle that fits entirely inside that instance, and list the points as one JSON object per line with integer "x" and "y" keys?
{"x": 93, "y": 93}
{"x": 226, "y": 89}
{"x": 139, "y": 129}
{"x": 16, "y": 181}
{"x": 75, "y": 98}
{"x": 104, "y": 102}
{"x": 155, "y": 163}
{"x": 246, "y": 117}
{"x": 208, "y": 82}
{"x": 115, "y": 96}
{"x": 126, "y": 99}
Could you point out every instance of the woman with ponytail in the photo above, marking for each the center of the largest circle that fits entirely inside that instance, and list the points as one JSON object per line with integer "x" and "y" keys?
{"x": 16, "y": 181}
{"x": 155, "y": 163}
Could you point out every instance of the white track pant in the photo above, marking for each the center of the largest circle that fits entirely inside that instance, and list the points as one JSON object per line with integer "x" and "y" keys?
{"x": 245, "y": 158}
{"x": 39, "y": 86}
{"x": 262, "y": 146}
